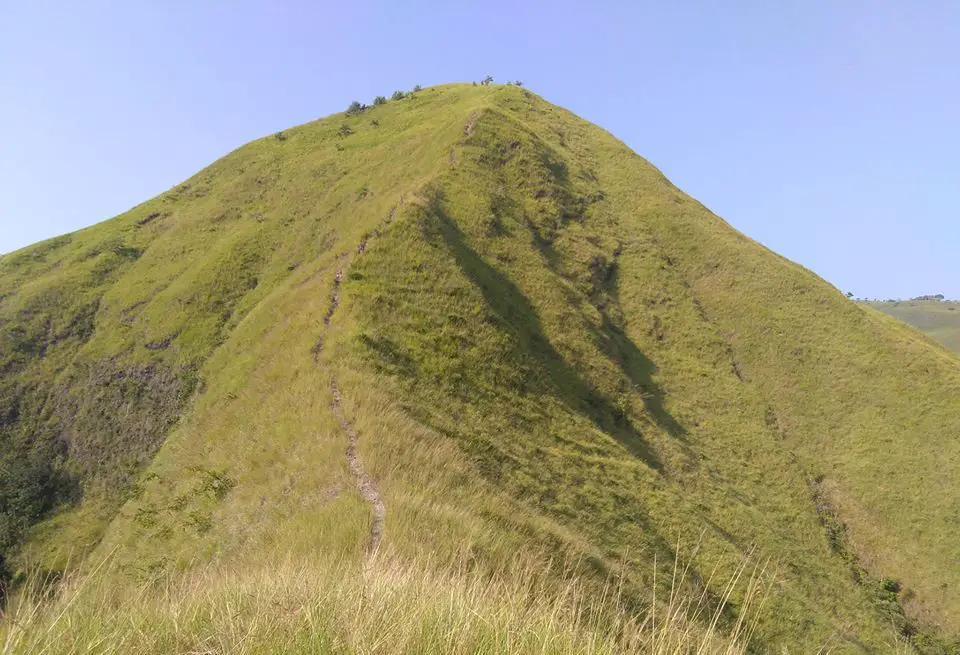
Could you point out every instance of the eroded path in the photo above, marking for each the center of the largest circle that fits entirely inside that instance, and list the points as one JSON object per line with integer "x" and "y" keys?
{"x": 365, "y": 484}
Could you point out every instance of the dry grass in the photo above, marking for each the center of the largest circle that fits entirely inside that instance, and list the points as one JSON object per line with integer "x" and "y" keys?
{"x": 388, "y": 606}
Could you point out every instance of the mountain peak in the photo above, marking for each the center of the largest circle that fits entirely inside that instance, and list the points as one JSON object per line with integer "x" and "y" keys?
{"x": 524, "y": 338}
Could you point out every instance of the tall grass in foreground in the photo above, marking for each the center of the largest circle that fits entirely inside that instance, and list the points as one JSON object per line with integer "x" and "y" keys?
{"x": 387, "y": 607}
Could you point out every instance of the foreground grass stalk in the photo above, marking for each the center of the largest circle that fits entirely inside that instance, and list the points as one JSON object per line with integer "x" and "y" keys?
{"x": 391, "y": 607}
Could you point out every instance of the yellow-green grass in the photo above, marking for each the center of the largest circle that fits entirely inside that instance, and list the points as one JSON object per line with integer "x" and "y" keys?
{"x": 279, "y": 604}
{"x": 546, "y": 349}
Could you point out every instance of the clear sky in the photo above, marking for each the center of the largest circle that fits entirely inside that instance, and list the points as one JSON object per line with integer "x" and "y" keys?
{"x": 829, "y": 131}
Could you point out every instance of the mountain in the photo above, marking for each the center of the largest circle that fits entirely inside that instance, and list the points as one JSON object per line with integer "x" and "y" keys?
{"x": 464, "y": 362}
{"x": 938, "y": 319}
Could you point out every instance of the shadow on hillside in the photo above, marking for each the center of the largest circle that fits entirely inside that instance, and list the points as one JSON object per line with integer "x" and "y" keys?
{"x": 617, "y": 346}
{"x": 639, "y": 369}
{"x": 514, "y": 309}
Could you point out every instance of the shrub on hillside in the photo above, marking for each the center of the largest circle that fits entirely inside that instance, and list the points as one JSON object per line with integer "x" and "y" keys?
{"x": 380, "y": 100}
{"x": 398, "y": 95}
{"x": 345, "y": 130}
{"x": 355, "y": 108}
{"x": 417, "y": 88}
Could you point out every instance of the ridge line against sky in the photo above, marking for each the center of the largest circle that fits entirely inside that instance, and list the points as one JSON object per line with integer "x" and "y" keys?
{"x": 825, "y": 131}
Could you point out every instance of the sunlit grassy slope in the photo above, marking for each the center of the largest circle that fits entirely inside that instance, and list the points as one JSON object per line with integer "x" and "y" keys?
{"x": 549, "y": 353}
{"x": 938, "y": 319}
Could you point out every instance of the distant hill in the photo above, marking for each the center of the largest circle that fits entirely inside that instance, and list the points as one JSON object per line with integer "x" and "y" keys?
{"x": 939, "y": 319}
{"x": 461, "y": 372}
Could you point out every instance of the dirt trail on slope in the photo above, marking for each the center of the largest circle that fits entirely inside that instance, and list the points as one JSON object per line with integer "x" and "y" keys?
{"x": 364, "y": 482}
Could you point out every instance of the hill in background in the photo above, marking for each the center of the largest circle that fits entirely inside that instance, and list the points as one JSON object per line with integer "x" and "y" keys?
{"x": 939, "y": 319}
{"x": 463, "y": 362}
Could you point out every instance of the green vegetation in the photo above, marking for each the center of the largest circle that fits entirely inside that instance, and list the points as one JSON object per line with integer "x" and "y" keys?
{"x": 556, "y": 365}
{"x": 937, "y": 319}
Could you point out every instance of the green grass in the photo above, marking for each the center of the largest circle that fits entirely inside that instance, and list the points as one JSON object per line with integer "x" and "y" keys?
{"x": 939, "y": 320}
{"x": 545, "y": 348}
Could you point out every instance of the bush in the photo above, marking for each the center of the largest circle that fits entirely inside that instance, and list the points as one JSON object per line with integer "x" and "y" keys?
{"x": 355, "y": 108}
{"x": 31, "y": 485}
{"x": 345, "y": 130}
{"x": 398, "y": 95}
{"x": 417, "y": 88}
{"x": 380, "y": 100}
{"x": 374, "y": 123}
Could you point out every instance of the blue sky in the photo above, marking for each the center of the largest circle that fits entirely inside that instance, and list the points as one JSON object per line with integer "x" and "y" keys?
{"x": 829, "y": 131}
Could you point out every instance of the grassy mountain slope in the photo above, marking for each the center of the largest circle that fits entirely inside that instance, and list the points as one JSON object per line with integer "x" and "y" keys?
{"x": 939, "y": 320}
{"x": 547, "y": 351}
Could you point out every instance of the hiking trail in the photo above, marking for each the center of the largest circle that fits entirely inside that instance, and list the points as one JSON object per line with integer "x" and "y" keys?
{"x": 364, "y": 483}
